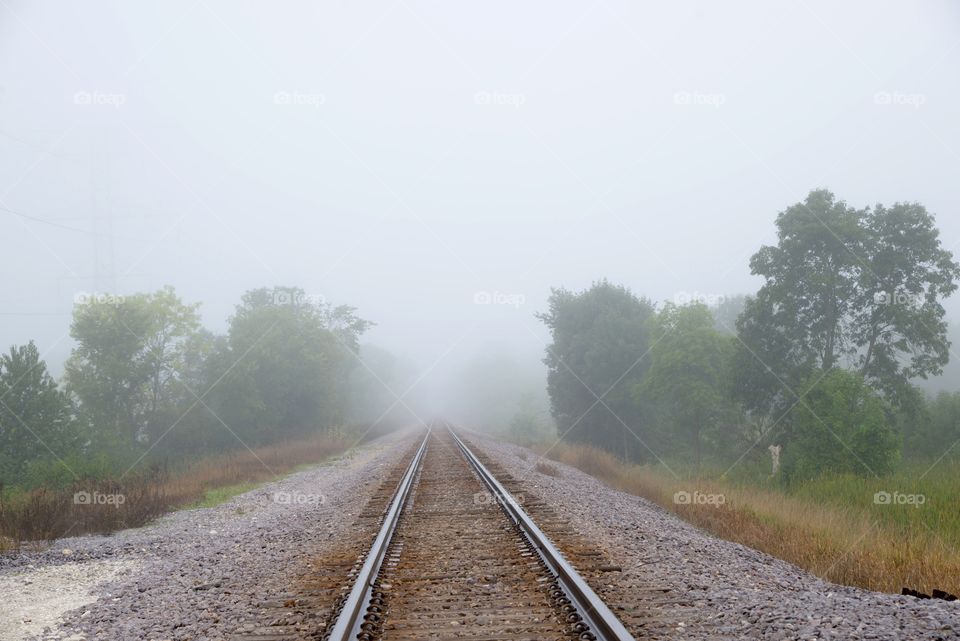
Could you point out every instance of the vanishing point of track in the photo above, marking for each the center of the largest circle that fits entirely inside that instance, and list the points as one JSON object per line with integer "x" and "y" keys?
{"x": 457, "y": 557}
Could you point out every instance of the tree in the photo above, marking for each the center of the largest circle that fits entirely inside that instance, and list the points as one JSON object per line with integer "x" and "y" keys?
{"x": 528, "y": 424}
{"x": 375, "y": 386}
{"x": 937, "y": 430}
{"x": 124, "y": 370}
{"x": 841, "y": 426}
{"x": 687, "y": 381}
{"x": 600, "y": 339}
{"x": 36, "y": 419}
{"x": 285, "y": 372}
{"x": 899, "y": 325}
{"x": 851, "y": 288}
{"x": 727, "y": 312}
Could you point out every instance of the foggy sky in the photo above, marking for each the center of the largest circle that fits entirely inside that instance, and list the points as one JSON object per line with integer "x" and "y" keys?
{"x": 405, "y": 156}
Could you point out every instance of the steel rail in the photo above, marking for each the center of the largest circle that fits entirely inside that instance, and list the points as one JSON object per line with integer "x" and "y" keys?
{"x": 351, "y": 619}
{"x": 603, "y": 624}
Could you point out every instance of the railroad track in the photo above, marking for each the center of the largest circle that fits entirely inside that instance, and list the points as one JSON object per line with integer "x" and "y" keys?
{"x": 458, "y": 557}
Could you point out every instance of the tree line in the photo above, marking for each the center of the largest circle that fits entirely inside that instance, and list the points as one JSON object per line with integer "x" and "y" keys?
{"x": 146, "y": 382}
{"x": 822, "y": 360}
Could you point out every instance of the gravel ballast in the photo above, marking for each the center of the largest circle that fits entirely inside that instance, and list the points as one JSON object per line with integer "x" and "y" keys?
{"x": 708, "y": 588}
{"x": 198, "y": 574}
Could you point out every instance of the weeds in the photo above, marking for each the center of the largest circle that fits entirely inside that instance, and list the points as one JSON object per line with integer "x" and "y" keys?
{"x": 835, "y": 527}
{"x": 104, "y": 505}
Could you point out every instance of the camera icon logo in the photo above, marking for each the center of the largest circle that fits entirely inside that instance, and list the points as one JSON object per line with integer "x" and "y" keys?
{"x": 482, "y": 298}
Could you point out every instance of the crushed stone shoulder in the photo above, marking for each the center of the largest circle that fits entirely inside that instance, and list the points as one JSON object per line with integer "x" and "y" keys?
{"x": 711, "y": 588}
{"x": 195, "y": 574}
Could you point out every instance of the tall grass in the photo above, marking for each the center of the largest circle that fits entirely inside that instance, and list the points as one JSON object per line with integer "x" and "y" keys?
{"x": 107, "y": 504}
{"x": 832, "y": 526}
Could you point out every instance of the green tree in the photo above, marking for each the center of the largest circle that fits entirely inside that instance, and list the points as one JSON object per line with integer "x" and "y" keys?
{"x": 124, "y": 370}
{"x": 727, "y": 312}
{"x": 687, "y": 381}
{"x": 527, "y": 424}
{"x": 600, "y": 339}
{"x": 36, "y": 418}
{"x": 841, "y": 426}
{"x": 850, "y": 288}
{"x": 937, "y": 430}
{"x": 899, "y": 326}
{"x": 285, "y": 371}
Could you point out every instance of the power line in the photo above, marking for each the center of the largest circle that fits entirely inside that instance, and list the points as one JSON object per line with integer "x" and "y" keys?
{"x": 36, "y": 147}
{"x": 66, "y": 227}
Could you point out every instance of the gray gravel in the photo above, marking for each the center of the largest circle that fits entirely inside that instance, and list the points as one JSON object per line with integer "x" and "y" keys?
{"x": 199, "y": 573}
{"x": 715, "y": 589}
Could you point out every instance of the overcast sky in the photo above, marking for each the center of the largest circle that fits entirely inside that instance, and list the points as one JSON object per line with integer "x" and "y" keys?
{"x": 409, "y": 158}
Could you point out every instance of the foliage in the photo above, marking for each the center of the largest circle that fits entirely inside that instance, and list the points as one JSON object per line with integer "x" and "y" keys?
{"x": 124, "y": 370}
{"x": 840, "y": 427}
{"x": 145, "y": 382}
{"x": 600, "y": 338}
{"x": 110, "y": 502}
{"x": 726, "y": 313}
{"x": 688, "y": 376}
{"x": 936, "y": 432}
{"x": 847, "y": 287}
{"x": 832, "y": 526}
{"x": 35, "y": 416}
{"x": 283, "y": 371}
{"x": 526, "y": 424}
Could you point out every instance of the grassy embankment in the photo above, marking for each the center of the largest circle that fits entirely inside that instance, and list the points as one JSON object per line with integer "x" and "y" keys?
{"x": 831, "y": 526}
{"x": 46, "y": 513}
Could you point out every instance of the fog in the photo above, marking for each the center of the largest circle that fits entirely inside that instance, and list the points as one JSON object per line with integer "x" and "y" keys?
{"x": 441, "y": 166}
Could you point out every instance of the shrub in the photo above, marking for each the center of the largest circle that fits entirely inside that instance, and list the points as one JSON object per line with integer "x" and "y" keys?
{"x": 840, "y": 427}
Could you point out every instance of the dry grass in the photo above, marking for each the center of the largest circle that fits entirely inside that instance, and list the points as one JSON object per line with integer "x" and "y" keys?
{"x": 841, "y": 543}
{"x": 105, "y": 505}
{"x": 546, "y": 468}
{"x": 262, "y": 464}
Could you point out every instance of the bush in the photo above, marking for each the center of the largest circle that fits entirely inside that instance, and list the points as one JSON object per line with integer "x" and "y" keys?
{"x": 840, "y": 427}
{"x": 101, "y": 504}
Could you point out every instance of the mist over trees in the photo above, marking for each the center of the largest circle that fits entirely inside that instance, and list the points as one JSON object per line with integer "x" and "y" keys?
{"x": 147, "y": 382}
{"x": 36, "y": 418}
{"x": 859, "y": 289}
{"x": 823, "y": 359}
{"x": 600, "y": 339}
{"x": 495, "y": 391}
{"x": 687, "y": 383}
